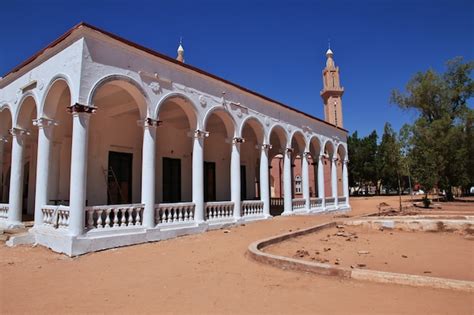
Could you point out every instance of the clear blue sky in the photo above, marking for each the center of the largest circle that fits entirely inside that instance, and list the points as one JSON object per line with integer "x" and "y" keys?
{"x": 276, "y": 48}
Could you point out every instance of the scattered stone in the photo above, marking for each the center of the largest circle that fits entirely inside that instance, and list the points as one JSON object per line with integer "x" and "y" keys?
{"x": 324, "y": 239}
{"x": 340, "y": 226}
{"x": 404, "y": 256}
{"x": 341, "y": 234}
{"x": 301, "y": 253}
{"x": 355, "y": 236}
{"x": 226, "y": 231}
{"x": 352, "y": 266}
{"x": 317, "y": 252}
{"x": 381, "y": 229}
{"x": 363, "y": 252}
{"x": 11, "y": 263}
{"x": 326, "y": 249}
{"x": 361, "y": 265}
{"x": 426, "y": 271}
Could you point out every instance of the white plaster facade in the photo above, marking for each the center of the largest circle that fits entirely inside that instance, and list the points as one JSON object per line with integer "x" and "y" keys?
{"x": 91, "y": 92}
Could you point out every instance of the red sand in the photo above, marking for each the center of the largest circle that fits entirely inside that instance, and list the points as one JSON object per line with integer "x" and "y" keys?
{"x": 206, "y": 273}
{"x": 445, "y": 255}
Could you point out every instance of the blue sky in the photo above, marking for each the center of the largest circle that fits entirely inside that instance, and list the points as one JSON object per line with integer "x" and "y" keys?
{"x": 276, "y": 48}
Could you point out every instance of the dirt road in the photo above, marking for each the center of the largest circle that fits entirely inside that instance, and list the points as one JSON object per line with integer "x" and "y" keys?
{"x": 203, "y": 274}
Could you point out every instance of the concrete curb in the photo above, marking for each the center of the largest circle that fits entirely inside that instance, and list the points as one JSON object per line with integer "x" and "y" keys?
{"x": 255, "y": 252}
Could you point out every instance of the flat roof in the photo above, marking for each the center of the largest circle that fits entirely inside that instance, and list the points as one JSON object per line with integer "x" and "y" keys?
{"x": 162, "y": 56}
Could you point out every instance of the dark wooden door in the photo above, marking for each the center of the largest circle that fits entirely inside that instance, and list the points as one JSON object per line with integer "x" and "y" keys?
{"x": 243, "y": 183}
{"x": 209, "y": 181}
{"x": 119, "y": 178}
{"x": 171, "y": 180}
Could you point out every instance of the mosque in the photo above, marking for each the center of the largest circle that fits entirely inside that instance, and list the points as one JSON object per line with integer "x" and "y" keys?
{"x": 106, "y": 143}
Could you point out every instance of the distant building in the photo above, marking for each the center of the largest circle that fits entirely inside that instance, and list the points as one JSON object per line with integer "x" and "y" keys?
{"x": 107, "y": 143}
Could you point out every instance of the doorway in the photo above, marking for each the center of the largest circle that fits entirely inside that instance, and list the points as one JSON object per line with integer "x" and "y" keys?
{"x": 171, "y": 180}
{"x": 119, "y": 178}
{"x": 209, "y": 181}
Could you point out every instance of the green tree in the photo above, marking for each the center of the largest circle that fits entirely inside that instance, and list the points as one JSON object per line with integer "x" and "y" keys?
{"x": 440, "y": 139}
{"x": 362, "y": 155}
{"x": 389, "y": 159}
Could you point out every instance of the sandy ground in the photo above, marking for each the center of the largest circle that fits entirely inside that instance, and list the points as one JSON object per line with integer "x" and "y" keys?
{"x": 203, "y": 274}
{"x": 445, "y": 255}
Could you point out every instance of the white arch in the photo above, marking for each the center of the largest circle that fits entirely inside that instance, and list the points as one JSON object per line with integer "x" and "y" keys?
{"x": 25, "y": 96}
{"x": 58, "y": 77}
{"x": 276, "y": 125}
{"x": 194, "y": 109}
{"x": 318, "y": 140}
{"x": 227, "y": 113}
{"x": 252, "y": 118}
{"x": 293, "y": 135}
{"x": 332, "y": 147}
{"x": 52, "y": 82}
{"x": 124, "y": 78}
{"x": 342, "y": 147}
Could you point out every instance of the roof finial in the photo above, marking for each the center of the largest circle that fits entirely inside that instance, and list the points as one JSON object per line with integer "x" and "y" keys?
{"x": 329, "y": 52}
{"x": 180, "y": 56}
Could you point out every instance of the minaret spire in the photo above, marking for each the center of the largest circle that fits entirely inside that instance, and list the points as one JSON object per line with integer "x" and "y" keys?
{"x": 180, "y": 56}
{"x": 332, "y": 91}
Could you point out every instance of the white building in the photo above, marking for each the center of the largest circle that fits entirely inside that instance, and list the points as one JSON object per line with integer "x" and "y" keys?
{"x": 107, "y": 143}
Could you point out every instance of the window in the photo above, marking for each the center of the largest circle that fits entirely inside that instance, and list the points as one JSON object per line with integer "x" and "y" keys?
{"x": 298, "y": 184}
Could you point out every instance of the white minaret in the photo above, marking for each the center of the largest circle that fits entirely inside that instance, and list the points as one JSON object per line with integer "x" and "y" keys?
{"x": 180, "y": 56}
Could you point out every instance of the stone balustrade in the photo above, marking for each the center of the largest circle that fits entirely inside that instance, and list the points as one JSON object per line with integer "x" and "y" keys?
{"x": 315, "y": 202}
{"x": 217, "y": 210}
{"x": 114, "y": 216}
{"x": 252, "y": 207}
{"x": 341, "y": 200}
{"x": 298, "y": 203}
{"x": 55, "y": 216}
{"x": 330, "y": 201}
{"x": 173, "y": 213}
{"x": 276, "y": 201}
{"x": 3, "y": 210}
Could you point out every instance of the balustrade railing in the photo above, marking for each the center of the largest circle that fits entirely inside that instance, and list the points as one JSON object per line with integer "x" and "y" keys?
{"x": 330, "y": 201}
{"x": 55, "y": 216}
{"x": 315, "y": 202}
{"x": 252, "y": 207}
{"x": 174, "y": 213}
{"x": 217, "y": 210}
{"x": 276, "y": 202}
{"x": 298, "y": 203}
{"x": 114, "y": 216}
{"x": 341, "y": 199}
{"x": 3, "y": 210}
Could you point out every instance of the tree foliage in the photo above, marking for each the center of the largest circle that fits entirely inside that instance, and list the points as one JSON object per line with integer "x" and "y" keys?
{"x": 439, "y": 144}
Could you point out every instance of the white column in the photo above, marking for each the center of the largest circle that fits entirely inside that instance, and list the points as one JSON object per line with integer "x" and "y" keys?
{"x": 45, "y": 134}
{"x": 334, "y": 180}
{"x": 78, "y": 184}
{"x": 345, "y": 181}
{"x": 198, "y": 174}
{"x": 264, "y": 186}
{"x": 288, "y": 200}
{"x": 16, "y": 176}
{"x": 321, "y": 181}
{"x": 149, "y": 171}
{"x": 235, "y": 176}
{"x": 305, "y": 178}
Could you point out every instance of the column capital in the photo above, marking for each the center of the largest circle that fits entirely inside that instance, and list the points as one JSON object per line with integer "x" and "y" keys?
{"x": 44, "y": 122}
{"x": 334, "y": 159}
{"x": 149, "y": 122}
{"x": 289, "y": 150}
{"x": 15, "y": 132}
{"x": 200, "y": 134}
{"x": 265, "y": 146}
{"x": 238, "y": 140}
{"x": 80, "y": 108}
{"x": 306, "y": 154}
{"x": 345, "y": 161}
